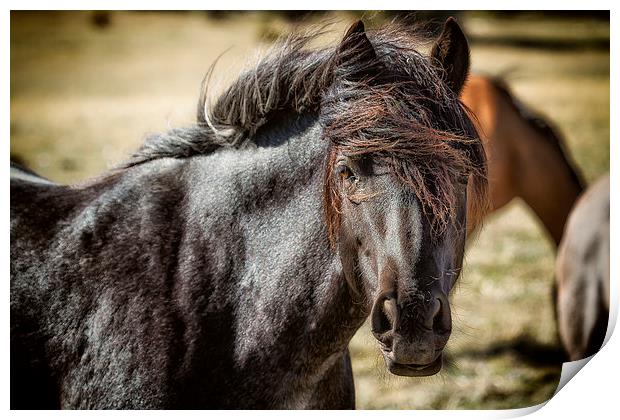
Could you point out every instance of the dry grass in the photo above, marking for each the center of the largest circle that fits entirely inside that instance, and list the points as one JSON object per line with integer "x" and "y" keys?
{"x": 82, "y": 98}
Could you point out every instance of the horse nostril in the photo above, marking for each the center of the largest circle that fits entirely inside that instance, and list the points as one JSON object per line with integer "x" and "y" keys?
{"x": 390, "y": 310}
{"x": 442, "y": 320}
{"x": 434, "y": 311}
{"x": 383, "y": 315}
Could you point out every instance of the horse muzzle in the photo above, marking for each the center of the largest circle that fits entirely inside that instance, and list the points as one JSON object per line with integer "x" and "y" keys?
{"x": 412, "y": 337}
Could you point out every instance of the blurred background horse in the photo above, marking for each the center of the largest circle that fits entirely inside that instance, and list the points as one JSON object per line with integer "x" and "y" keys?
{"x": 582, "y": 274}
{"x": 527, "y": 156}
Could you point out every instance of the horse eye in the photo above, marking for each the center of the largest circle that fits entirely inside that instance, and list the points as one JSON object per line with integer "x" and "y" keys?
{"x": 347, "y": 174}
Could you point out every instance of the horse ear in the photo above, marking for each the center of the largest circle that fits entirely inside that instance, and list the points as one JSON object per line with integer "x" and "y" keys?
{"x": 452, "y": 53}
{"x": 355, "y": 51}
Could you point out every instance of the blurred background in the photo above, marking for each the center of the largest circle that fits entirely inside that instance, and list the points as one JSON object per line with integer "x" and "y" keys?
{"x": 86, "y": 88}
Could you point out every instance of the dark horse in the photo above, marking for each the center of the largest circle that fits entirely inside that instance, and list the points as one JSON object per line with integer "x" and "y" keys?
{"x": 229, "y": 264}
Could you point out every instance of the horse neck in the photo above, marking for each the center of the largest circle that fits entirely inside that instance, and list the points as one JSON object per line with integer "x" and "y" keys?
{"x": 522, "y": 161}
{"x": 287, "y": 283}
{"x": 546, "y": 180}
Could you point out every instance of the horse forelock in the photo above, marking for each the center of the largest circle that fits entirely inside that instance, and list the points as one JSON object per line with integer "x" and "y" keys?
{"x": 429, "y": 159}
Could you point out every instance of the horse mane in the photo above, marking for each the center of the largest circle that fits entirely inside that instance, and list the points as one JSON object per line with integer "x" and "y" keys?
{"x": 404, "y": 115}
{"x": 542, "y": 126}
{"x": 290, "y": 76}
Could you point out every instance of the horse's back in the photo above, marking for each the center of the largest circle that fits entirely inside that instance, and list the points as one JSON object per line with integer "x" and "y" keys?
{"x": 32, "y": 385}
{"x": 37, "y": 206}
{"x": 32, "y": 208}
{"x": 582, "y": 274}
{"x": 29, "y": 189}
{"x": 20, "y": 173}
{"x": 74, "y": 269}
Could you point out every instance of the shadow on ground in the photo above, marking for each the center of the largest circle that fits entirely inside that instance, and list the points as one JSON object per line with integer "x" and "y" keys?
{"x": 524, "y": 348}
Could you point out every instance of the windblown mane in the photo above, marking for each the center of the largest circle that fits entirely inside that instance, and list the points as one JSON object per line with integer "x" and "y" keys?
{"x": 404, "y": 116}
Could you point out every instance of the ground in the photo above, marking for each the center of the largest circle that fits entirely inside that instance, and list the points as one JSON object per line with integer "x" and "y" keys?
{"x": 84, "y": 96}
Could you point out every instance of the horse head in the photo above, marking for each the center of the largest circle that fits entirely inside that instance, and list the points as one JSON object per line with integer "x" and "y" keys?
{"x": 402, "y": 153}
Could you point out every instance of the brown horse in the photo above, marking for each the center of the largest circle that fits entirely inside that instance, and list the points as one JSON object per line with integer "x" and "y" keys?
{"x": 526, "y": 156}
{"x": 582, "y": 274}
